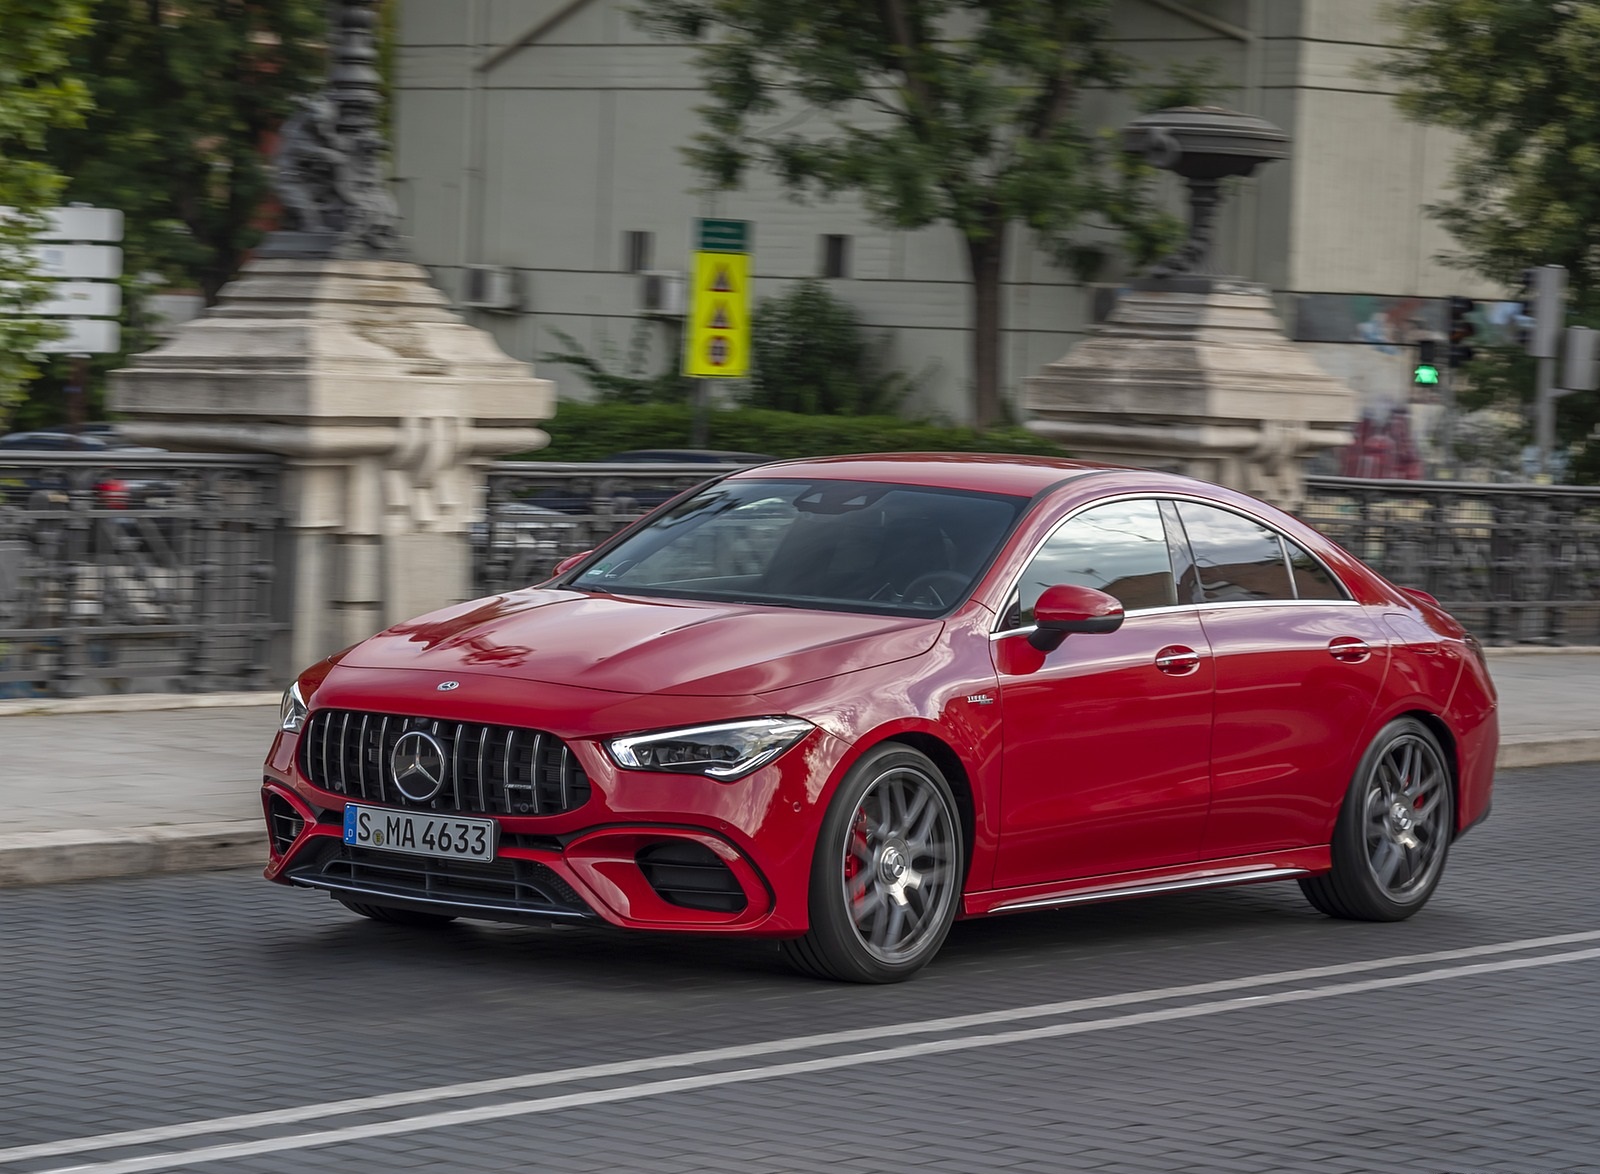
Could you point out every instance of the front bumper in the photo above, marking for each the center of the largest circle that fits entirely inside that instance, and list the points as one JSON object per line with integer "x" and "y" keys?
{"x": 650, "y": 851}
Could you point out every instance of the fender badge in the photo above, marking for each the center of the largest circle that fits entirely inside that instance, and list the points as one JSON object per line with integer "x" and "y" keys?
{"x": 980, "y": 699}
{"x": 446, "y": 686}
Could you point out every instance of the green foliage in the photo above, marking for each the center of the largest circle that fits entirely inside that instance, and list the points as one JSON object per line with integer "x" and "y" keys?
{"x": 959, "y": 112}
{"x": 629, "y": 383}
{"x": 1520, "y": 81}
{"x": 186, "y": 99}
{"x": 811, "y": 355}
{"x": 36, "y": 94}
{"x": 589, "y": 432}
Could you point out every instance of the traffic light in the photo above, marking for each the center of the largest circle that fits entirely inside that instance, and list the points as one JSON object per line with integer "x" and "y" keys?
{"x": 1541, "y": 312}
{"x": 1527, "y": 305}
{"x": 1462, "y": 331}
{"x": 1427, "y": 369}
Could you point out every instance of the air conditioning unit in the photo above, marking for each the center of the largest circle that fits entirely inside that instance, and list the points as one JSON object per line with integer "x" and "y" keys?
{"x": 490, "y": 287}
{"x": 662, "y": 294}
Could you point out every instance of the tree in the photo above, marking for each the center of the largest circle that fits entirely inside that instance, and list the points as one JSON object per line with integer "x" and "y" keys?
{"x": 1520, "y": 81}
{"x": 959, "y": 112}
{"x": 187, "y": 95}
{"x": 36, "y": 93}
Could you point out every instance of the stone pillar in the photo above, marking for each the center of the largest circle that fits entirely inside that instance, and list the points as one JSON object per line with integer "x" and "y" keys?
{"x": 386, "y": 407}
{"x": 1200, "y": 381}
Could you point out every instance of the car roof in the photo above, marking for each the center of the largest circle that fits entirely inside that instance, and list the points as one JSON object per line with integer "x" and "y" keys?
{"x": 1019, "y": 475}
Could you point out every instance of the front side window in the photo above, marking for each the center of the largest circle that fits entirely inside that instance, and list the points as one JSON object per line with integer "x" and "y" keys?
{"x": 844, "y": 545}
{"x": 1239, "y": 560}
{"x": 1119, "y": 548}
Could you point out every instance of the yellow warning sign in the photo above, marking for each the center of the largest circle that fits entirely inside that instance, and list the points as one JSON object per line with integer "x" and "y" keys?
{"x": 717, "y": 345}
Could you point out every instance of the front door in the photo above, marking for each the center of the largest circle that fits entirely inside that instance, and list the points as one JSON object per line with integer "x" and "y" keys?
{"x": 1106, "y": 743}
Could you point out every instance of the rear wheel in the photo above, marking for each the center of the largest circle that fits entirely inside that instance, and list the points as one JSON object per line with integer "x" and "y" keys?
{"x": 886, "y": 874}
{"x": 1394, "y": 830}
{"x": 390, "y": 915}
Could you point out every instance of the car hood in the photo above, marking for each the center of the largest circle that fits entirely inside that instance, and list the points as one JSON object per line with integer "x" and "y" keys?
{"x": 625, "y": 644}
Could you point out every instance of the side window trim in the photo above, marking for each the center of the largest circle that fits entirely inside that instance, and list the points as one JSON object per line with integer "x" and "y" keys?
{"x": 1178, "y": 547}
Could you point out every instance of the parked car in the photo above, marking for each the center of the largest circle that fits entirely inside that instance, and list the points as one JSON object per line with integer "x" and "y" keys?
{"x": 116, "y": 488}
{"x": 843, "y": 702}
{"x": 642, "y": 495}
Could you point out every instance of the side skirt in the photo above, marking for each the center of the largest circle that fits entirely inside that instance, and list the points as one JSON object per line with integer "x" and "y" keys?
{"x": 1211, "y": 874}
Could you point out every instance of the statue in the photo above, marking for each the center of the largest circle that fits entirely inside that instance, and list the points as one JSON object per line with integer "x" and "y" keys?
{"x": 329, "y": 164}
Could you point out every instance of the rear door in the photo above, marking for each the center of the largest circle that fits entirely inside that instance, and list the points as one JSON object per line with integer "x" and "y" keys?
{"x": 1298, "y": 669}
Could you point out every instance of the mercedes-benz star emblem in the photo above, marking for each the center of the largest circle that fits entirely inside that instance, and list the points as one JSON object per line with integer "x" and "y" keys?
{"x": 446, "y": 686}
{"x": 417, "y": 765}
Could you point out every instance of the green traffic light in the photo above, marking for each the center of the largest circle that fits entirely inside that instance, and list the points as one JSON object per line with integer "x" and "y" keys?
{"x": 1425, "y": 374}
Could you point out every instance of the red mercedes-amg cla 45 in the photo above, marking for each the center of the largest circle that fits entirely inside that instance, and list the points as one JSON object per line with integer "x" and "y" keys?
{"x": 844, "y": 702}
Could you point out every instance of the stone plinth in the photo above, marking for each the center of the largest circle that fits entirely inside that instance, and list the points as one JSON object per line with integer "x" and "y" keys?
{"x": 1194, "y": 375}
{"x": 384, "y": 403}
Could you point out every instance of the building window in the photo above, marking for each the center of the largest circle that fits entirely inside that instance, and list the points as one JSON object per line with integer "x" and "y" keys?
{"x": 638, "y": 250}
{"x": 835, "y": 256}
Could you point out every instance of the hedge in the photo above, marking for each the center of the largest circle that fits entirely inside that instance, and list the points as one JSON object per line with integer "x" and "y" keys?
{"x": 591, "y": 432}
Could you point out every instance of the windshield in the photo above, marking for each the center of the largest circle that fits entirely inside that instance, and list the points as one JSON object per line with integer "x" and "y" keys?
{"x": 846, "y": 545}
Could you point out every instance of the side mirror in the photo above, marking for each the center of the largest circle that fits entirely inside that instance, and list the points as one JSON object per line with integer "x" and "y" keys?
{"x": 569, "y": 562}
{"x": 1064, "y": 609}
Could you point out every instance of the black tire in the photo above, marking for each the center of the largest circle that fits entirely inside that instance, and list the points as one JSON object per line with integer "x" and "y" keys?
{"x": 391, "y": 915}
{"x": 887, "y": 872}
{"x": 1394, "y": 829}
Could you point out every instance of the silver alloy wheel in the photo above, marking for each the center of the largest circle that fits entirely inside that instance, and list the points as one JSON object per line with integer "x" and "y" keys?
{"x": 1405, "y": 817}
{"x": 898, "y": 867}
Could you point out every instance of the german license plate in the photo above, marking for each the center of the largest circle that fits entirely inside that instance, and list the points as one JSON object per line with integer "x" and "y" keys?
{"x": 389, "y": 830}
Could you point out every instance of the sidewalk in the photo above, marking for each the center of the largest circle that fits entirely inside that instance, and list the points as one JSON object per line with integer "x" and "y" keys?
{"x": 126, "y": 786}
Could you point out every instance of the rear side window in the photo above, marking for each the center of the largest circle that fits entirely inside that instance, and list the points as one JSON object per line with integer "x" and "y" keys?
{"x": 1119, "y": 548}
{"x": 1312, "y": 580}
{"x": 1239, "y": 560}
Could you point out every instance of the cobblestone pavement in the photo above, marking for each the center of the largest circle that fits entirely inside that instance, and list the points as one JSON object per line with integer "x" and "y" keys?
{"x": 156, "y": 1002}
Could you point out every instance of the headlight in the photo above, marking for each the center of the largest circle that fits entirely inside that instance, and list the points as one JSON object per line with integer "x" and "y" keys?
{"x": 292, "y": 710}
{"x": 728, "y": 750}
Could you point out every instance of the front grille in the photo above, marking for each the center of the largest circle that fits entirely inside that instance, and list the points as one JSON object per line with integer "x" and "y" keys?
{"x": 691, "y": 875}
{"x": 500, "y": 770}
{"x": 504, "y": 885}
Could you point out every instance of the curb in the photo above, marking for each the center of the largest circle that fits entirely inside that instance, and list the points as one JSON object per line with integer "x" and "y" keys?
{"x": 47, "y": 858}
{"x": 1532, "y": 750}
{"x": 133, "y": 703}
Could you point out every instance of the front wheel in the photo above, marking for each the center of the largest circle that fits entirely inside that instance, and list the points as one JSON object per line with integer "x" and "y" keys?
{"x": 886, "y": 874}
{"x": 1394, "y": 830}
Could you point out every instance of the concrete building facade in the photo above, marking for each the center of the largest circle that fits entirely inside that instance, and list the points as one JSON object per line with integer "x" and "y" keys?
{"x": 543, "y": 137}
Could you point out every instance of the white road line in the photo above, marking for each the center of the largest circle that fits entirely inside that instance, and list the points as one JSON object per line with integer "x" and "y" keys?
{"x": 312, "y": 1112}
{"x": 279, "y": 1117}
{"x": 227, "y": 1152}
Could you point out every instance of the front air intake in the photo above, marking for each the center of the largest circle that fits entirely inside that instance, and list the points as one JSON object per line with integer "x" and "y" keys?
{"x": 692, "y": 876}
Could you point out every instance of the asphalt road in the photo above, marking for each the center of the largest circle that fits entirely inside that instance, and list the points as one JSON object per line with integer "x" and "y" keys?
{"x": 226, "y": 1017}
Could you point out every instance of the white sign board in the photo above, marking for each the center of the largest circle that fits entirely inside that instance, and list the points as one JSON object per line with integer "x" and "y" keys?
{"x": 85, "y": 336}
{"x": 80, "y": 299}
{"x": 82, "y": 224}
{"x": 95, "y": 262}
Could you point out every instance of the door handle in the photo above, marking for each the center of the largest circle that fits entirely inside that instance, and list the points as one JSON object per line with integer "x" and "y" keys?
{"x": 1177, "y": 661}
{"x": 1350, "y": 649}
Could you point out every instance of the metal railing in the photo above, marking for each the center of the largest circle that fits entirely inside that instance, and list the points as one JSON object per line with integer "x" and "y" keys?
{"x": 540, "y": 513}
{"x": 137, "y": 572}
{"x": 1514, "y": 563}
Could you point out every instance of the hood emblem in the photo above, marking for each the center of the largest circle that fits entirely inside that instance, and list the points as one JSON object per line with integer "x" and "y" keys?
{"x": 417, "y": 765}
{"x": 446, "y": 686}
